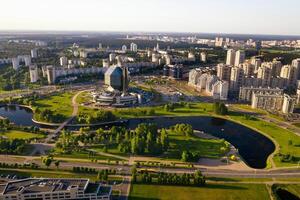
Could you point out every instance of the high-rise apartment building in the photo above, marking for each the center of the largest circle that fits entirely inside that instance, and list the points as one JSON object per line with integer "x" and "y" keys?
{"x": 230, "y": 57}
{"x": 239, "y": 57}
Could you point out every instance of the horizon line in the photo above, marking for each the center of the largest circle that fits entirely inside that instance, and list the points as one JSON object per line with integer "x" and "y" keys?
{"x": 136, "y": 32}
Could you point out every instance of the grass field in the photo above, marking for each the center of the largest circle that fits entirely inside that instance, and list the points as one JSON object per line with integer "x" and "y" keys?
{"x": 209, "y": 148}
{"x": 16, "y": 134}
{"x": 209, "y": 192}
{"x": 60, "y": 103}
{"x": 280, "y": 135}
{"x": 294, "y": 189}
{"x": 84, "y": 97}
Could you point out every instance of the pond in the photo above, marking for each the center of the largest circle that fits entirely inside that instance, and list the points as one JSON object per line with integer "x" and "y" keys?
{"x": 21, "y": 116}
{"x": 254, "y": 147}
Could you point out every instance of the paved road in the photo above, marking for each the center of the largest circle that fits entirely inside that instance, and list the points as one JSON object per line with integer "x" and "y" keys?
{"x": 69, "y": 163}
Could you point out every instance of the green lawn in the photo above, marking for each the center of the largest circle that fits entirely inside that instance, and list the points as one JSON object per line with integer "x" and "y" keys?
{"x": 208, "y": 148}
{"x": 209, "y": 192}
{"x": 16, "y": 134}
{"x": 292, "y": 188}
{"x": 84, "y": 155}
{"x": 280, "y": 135}
{"x": 84, "y": 97}
{"x": 295, "y": 189}
{"x": 59, "y": 104}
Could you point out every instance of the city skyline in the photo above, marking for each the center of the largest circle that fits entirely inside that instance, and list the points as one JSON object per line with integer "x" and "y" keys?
{"x": 216, "y": 16}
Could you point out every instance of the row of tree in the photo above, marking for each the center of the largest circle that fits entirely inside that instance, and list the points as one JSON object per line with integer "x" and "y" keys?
{"x": 161, "y": 178}
{"x": 97, "y": 117}
{"x": 183, "y": 129}
{"x": 13, "y": 146}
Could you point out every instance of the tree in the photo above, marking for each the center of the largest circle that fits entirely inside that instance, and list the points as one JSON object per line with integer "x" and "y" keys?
{"x": 220, "y": 108}
{"x": 164, "y": 139}
{"x": 56, "y": 163}
{"x": 185, "y": 156}
{"x": 47, "y": 161}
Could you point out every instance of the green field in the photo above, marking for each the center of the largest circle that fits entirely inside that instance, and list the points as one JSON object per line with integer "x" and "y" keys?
{"x": 208, "y": 148}
{"x": 59, "y": 104}
{"x": 16, "y": 134}
{"x": 295, "y": 189}
{"x": 84, "y": 155}
{"x": 209, "y": 192}
{"x": 279, "y": 135}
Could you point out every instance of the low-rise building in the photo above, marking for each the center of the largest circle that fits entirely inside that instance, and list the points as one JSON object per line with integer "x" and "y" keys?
{"x": 54, "y": 189}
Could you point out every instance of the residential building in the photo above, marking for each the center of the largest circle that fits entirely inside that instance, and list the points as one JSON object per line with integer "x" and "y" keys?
{"x": 239, "y": 57}
{"x": 191, "y": 57}
{"x": 27, "y": 60}
{"x": 230, "y": 60}
{"x": 203, "y": 57}
{"x": 220, "y": 90}
{"x": 34, "y": 53}
{"x": 63, "y": 61}
{"x": 246, "y": 93}
{"x": 223, "y": 72}
{"x": 273, "y": 102}
{"x": 236, "y": 79}
{"x": 124, "y": 48}
{"x": 264, "y": 74}
{"x": 34, "y": 73}
{"x": 173, "y": 71}
{"x": 248, "y": 68}
{"x": 15, "y": 63}
{"x": 133, "y": 47}
{"x": 288, "y": 104}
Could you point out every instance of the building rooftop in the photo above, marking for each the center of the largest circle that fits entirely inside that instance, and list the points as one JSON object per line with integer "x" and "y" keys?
{"x": 36, "y": 185}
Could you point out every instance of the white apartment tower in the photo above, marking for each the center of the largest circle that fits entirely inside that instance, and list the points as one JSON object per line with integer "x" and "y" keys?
{"x": 133, "y": 47}
{"x": 63, "y": 61}
{"x": 34, "y": 53}
{"x": 15, "y": 63}
{"x": 27, "y": 60}
{"x": 223, "y": 72}
{"x": 296, "y": 65}
{"x": 236, "y": 78}
{"x": 34, "y": 73}
{"x": 230, "y": 57}
{"x": 239, "y": 57}
{"x": 288, "y": 104}
{"x": 203, "y": 57}
{"x": 264, "y": 73}
{"x": 124, "y": 48}
{"x": 220, "y": 90}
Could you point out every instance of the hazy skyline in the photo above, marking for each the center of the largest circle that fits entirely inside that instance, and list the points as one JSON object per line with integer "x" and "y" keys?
{"x": 213, "y": 16}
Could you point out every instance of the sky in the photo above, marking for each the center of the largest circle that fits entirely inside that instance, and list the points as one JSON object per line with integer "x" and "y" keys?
{"x": 279, "y": 17}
